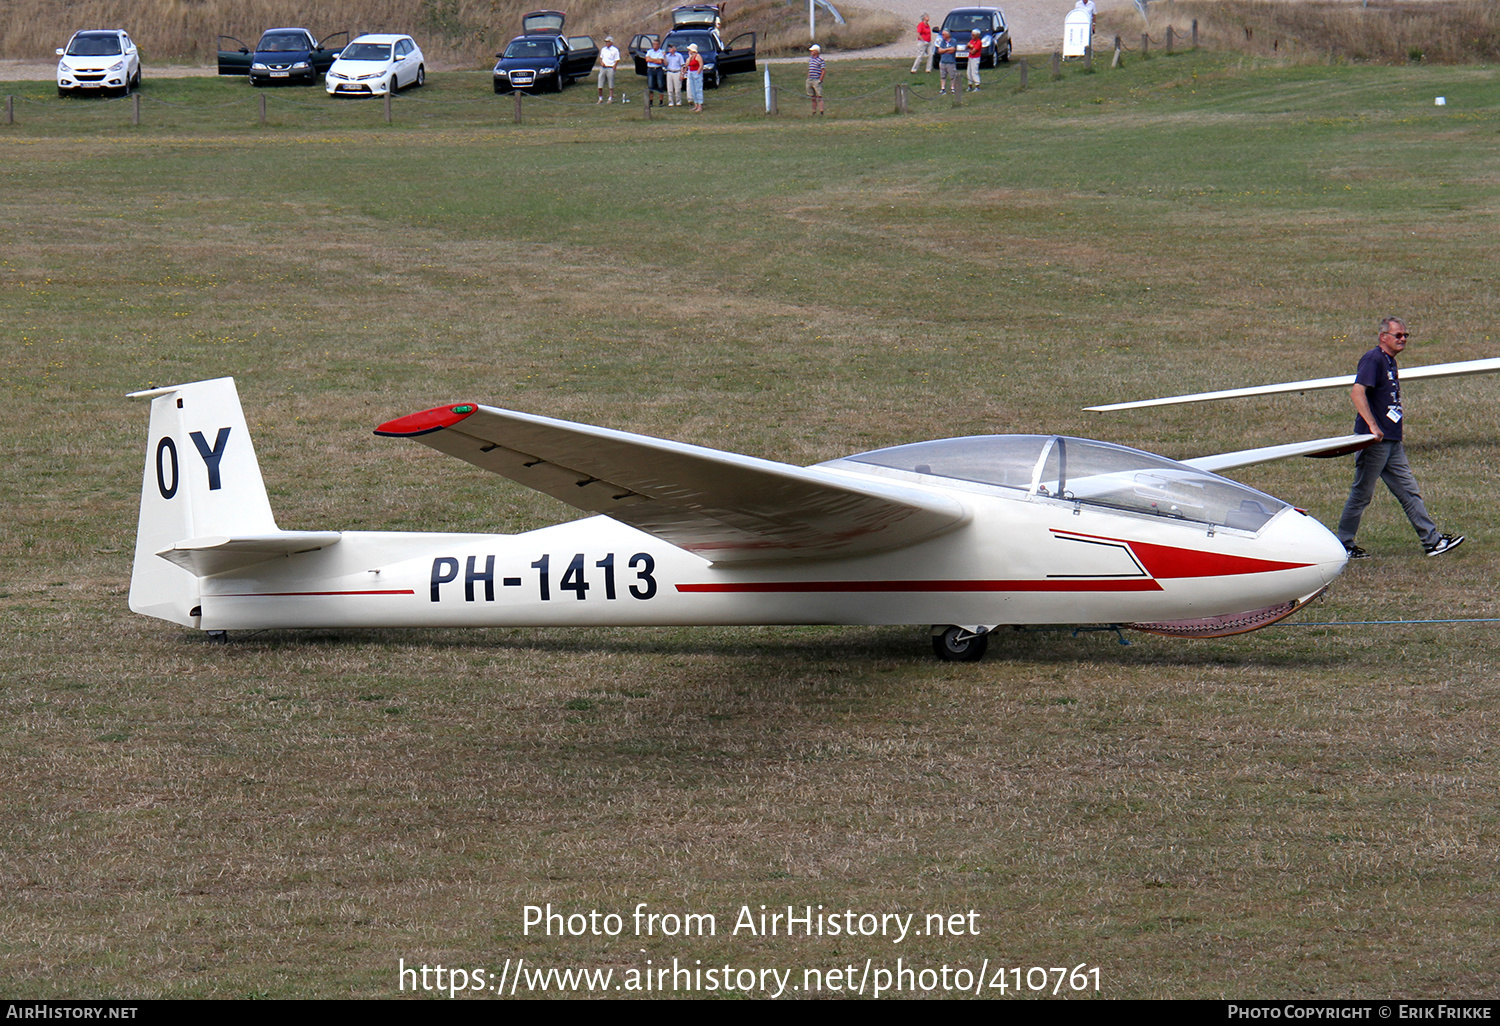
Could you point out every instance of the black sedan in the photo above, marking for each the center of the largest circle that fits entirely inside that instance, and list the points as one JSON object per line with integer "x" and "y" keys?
{"x": 282, "y": 55}
{"x": 993, "y": 33}
{"x": 544, "y": 62}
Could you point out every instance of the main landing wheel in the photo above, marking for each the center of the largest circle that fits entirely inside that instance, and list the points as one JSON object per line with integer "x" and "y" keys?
{"x": 956, "y": 645}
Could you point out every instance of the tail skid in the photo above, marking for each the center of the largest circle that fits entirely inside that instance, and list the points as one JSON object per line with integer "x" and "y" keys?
{"x": 204, "y": 508}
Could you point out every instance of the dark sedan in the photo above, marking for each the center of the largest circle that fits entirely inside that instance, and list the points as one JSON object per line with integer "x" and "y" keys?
{"x": 544, "y": 62}
{"x": 282, "y": 55}
{"x": 993, "y": 33}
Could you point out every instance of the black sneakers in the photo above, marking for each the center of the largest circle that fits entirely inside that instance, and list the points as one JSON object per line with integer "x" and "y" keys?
{"x": 1447, "y": 543}
{"x": 1355, "y": 552}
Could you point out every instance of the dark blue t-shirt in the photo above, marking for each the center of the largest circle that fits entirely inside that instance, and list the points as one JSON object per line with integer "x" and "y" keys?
{"x": 1377, "y": 372}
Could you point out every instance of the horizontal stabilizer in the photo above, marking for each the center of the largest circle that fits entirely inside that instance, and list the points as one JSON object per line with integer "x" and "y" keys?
{"x": 1408, "y": 374}
{"x": 216, "y": 554}
{"x": 1318, "y": 448}
{"x": 720, "y": 505}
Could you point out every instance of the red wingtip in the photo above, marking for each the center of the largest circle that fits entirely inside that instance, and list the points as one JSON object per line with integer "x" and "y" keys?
{"x": 435, "y": 419}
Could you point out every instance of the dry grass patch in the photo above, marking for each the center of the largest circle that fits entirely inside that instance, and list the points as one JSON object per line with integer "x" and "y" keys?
{"x": 1382, "y": 31}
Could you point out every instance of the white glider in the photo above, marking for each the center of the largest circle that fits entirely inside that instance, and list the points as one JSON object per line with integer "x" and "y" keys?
{"x": 961, "y": 533}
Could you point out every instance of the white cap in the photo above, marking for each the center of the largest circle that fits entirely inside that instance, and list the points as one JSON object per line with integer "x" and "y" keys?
{"x": 815, "y": 46}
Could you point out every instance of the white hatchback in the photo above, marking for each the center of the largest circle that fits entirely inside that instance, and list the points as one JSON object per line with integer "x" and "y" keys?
{"x": 376, "y": 65}
{"x": 98, "y": 59}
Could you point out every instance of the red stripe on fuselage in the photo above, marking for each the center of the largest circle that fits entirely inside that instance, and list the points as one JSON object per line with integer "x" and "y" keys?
{"x": 1136, "y": 584}
{"x": 1165, "y": 562}
{"x": 286, "y": 594}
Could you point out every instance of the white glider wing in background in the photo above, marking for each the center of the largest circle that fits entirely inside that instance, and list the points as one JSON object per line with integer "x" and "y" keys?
{"x": 719, "y": 505}
{"x": 1408, "y": 374}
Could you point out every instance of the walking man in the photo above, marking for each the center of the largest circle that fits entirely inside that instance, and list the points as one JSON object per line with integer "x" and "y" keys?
{"x": 947, "y": 51}
{"x": 815, "y": 77}
{"x": 1377, "y": 400}
{"x": 923, "y": 63}
{"x": 608, "y": 58}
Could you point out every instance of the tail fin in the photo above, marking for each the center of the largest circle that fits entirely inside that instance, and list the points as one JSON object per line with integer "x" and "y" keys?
{"x": 201, "y": 480}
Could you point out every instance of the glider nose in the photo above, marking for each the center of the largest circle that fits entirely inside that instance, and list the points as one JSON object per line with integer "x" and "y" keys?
{"x": 1315, "y": 544}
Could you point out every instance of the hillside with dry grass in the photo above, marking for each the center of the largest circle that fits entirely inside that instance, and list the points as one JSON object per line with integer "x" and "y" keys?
{"x": 1382, "y": 31}
{"x": 453, "y": 32}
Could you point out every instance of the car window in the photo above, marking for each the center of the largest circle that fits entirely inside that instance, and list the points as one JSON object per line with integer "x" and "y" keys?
{"x": 531, "y": 48}
{"x": 94, "y": 46}
{"x": 367, "y": 52}
{"x": 286, "y": 42}
{"x": 961, "y": 24}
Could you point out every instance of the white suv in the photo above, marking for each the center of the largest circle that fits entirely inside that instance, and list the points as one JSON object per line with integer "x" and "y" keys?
{"x": 99, "y": 59}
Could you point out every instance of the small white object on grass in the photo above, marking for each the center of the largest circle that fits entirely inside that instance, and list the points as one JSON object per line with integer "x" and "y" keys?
{"x": 1441, "y": 101}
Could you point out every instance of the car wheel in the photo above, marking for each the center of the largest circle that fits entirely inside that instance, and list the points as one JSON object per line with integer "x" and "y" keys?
{"x": 62, "y": 94}
{"x": 257, "y": 83}
{"x": 421, "y": 76}
{"x": 956, "y": 645}
{"x": 1005, "y": 57}
{"x": 558, "y": 80}
{"x": 718, "y": 78}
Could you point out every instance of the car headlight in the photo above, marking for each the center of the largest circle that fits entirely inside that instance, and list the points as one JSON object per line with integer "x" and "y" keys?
{"x": 258, "y": 67}
{"x": 118, "y": 67}
{"x": 300, "y": 66}
{"x": 545, "y": 71}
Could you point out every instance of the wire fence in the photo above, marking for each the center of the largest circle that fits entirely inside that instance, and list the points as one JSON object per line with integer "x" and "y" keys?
{"x": 578, "y": 105}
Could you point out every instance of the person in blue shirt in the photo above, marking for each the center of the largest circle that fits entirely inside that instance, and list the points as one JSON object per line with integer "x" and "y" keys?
{"x": 1377, "y": 401}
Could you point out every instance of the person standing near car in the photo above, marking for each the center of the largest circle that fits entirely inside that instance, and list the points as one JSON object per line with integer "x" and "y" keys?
{"x": 673, "y": 64}
{"x": 656, "y": 76}
{"x": 924, "y": 46}
{"x": 1377, "y": 401}
{"x": 694, "y": 69}
{"x": 609, "y": 57}
{"x": 947, "y": 57}
{"x": 815, "y": 77}
{"x": 976, "y": 56}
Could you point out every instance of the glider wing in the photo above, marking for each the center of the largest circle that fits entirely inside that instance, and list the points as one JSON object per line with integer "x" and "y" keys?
{"x": 1408, "y": 374}
{"x": 720, "y": 505}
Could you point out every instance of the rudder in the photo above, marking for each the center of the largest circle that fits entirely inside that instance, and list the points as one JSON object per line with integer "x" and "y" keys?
{"x": 201, "y": 480}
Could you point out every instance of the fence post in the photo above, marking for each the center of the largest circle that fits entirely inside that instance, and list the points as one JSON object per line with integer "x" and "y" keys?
{"x": 1169, "y": 40}
{"x": 1195, "y": 33}
{"x": 135, "y": 108}
{"x": 262, "y": 110}
{"x": 1119, "y": 58}
{"x": 517, "y": 95}
{"x": 1145, "y": 45}
{"x": 775, "y": 108}
{"x": 900, "y": 97}
{"x": 1023, "y": 74}
{"x": 648, "y": 96}
{"x": 388, "y": 108}
{"x": 1088, "y": 58}
{"x": 1056, "y": 65}
{"x": 10, "y": 109}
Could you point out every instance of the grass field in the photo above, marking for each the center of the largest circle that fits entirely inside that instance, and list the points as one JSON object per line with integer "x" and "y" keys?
{"x": 1304, "y": 811}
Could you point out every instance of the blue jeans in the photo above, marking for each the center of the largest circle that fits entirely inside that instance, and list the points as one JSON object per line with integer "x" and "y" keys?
{"x": 695, "y": 88}
{"x": 1385, "y": 461}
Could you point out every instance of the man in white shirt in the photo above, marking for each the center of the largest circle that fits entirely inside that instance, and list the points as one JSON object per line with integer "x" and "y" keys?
{"x": 656, "y": 75}
{"x": 608, "y": 58}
